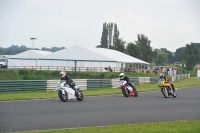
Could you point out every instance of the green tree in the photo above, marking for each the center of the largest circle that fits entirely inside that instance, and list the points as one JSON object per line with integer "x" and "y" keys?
{"x": 119, "y": 45}
{"x": 144, "y": 46}
{"x": 198, "y": 47}
{"x": 110, "y": 32}
{"x": 191, "y": 54}
{"x": 14, "y": 49}
{"x": 171, "y": 59}
{"x": 155, "y": 51}
{"x": 133, "y": 50}
{"x": 116, "y": 35}
{"x": 161, "y": 58}
{"x": 104, "y": 37}
{"x": 198, "y": 55}
{"x": 180, "y": 54}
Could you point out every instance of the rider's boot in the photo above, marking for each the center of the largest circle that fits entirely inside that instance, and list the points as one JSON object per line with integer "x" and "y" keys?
{"x": 173, "y": 88}
{"x": 76, "y": 91}
{"x": 134, "y": 90}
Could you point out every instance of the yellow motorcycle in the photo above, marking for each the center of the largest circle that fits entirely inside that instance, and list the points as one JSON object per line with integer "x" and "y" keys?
{"x": 166, "y": 88}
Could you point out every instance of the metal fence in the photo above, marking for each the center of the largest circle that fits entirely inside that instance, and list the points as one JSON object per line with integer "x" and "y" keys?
{"x": 55, "y": 68}
{"x": 82, "y": 69}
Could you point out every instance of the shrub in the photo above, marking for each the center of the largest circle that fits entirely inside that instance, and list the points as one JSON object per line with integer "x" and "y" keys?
{"x": 47, "y": 75}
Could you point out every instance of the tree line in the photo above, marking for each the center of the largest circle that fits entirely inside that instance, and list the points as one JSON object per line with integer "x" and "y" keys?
{"x": 14, "y": 49}
{"x": 141, "y": 48}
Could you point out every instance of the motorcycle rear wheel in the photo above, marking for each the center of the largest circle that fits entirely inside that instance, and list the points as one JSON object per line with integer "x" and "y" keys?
{"x": 174, "y": 94}
{"x": 63, "y": 97}
{"x": 165, "y": 92}
{"x": 136, "y": 92}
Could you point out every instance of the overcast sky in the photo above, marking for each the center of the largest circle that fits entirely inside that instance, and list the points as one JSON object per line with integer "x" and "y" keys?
{"x": 64, "y": 23}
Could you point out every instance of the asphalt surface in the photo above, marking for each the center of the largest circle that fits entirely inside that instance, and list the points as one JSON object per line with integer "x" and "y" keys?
{"x": 99, "y": 111}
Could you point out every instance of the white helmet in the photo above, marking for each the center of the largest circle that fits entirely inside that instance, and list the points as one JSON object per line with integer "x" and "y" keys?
{"x": 62, "y": 74}
{"x": 122, "y": 75}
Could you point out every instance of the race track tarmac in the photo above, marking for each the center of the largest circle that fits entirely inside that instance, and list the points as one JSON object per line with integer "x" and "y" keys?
{"x": 99, "y": 111}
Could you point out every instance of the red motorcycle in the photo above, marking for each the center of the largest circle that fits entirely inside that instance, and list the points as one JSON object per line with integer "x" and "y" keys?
{"x": 127, "y": 90}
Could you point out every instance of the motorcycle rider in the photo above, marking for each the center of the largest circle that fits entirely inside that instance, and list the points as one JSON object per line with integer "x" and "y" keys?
{"x": 69, "y": 81}
{"x": 162, "y": 76}
{"x": 123, "y": 77}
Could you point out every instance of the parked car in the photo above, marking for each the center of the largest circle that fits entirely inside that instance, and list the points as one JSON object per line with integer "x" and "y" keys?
{"x": 3, "y": 62}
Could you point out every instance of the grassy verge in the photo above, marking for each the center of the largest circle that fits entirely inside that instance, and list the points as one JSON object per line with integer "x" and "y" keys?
{"x": 95, "y": 92}
{"x": 159, "y": 127}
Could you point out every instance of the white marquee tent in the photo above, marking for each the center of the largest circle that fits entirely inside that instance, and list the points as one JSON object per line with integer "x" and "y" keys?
{"x": 26, "y": 58}
{"x": 78, "y": 56}
{"x": 75, "y": 57}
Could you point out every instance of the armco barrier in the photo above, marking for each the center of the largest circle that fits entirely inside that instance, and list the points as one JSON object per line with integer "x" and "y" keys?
{"x": 22, "y": 85}
{"x": 51, "y": 84}
{"x": 85, "y": 84}
{"x": 135, "y": 81}
{"x": 98, "y": 83}
{"x": 179, "y": 77}
{"x": 115, "y": 82}
{"x": 154, "y": 80}
{"x": 144, "y": 80}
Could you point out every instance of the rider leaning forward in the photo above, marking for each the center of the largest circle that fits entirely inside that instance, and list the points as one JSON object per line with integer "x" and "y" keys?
{"x": 67, "y": 78}
{"x": 162, "y": 76}
{"x": 123, "y": 77}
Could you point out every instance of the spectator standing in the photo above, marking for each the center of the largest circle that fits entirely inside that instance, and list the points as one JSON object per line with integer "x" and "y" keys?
{"x": 168, "y": 73}
{"x": 175, "y": 71}
{"x": 172, "y": 71}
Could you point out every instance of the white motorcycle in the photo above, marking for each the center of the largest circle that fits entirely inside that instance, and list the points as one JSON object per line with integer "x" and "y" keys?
{"x": 65, "y": 92}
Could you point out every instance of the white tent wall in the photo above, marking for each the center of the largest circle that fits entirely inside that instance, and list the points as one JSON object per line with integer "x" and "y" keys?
{"x": 25, "y": 63}
{"x": 26, "y": 59}
{"x": 14, "y": 62}
{"x": 54, "y": 64}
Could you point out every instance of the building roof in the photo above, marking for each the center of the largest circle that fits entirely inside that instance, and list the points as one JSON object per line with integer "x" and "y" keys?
{"x": 77, "y": 53}
{"x": 80, "y": 53}
{"x": 118, "y": 56}
{"x": 31, "y": 54}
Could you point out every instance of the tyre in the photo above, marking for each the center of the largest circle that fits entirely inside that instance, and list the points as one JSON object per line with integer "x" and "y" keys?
{"x": 63, "y": 97}
{"x": 174, "y": 94}
{"x": 165, "y": 92}
{"x": 125, "y": 92}
{"x": 80, "y": 96}
{"x": 136, "y": 92}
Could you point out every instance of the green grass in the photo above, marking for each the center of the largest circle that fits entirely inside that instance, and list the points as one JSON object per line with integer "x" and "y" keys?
{"x": 95, "y": 92}
{"x": 159, "y": 127}
{"x": 187, "y": 82}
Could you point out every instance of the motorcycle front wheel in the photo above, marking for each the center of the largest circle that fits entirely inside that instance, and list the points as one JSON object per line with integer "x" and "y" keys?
{"x": 125, "y": 92}
{"x": 165, "y": 92}
{"x": 80, "y": 96}
{"x": 63, "y": 97}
